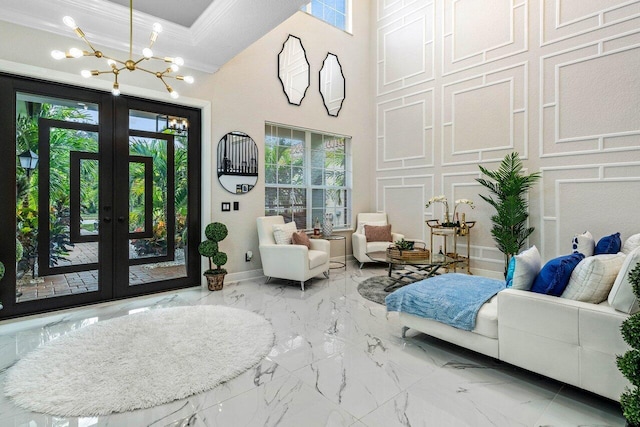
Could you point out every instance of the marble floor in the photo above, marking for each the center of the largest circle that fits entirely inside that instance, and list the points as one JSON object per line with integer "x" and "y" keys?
{"x": 338, "y": 361}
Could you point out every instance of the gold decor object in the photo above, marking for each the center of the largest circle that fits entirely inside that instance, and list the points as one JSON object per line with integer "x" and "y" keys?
{"x": 116, "y": 65}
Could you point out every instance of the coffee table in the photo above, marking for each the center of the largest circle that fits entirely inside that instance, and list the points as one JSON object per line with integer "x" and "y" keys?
{"x": 407, "y": 271}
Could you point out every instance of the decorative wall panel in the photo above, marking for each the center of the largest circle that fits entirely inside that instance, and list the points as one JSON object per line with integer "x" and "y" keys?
{"x": 406, "y": 49}
{"x": 484, "y": 117}
{"x": 476, "y": 32}
{"x": 581, "y": 79}
{"x": 405, "y": 131}
{"x": 405, "y": 196}
{"x": 597, "y": 198}
{"x": 562, "y": 19}
{"x": 581, "y": 91}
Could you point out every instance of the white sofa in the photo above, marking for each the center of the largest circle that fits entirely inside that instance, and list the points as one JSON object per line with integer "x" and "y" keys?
{"x": 570, "y": 341}
{"x": 359, "y": 241}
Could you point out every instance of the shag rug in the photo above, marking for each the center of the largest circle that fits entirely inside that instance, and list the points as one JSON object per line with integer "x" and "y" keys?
{"x": 139, "y": 361}
{"x": 373, "y": 288}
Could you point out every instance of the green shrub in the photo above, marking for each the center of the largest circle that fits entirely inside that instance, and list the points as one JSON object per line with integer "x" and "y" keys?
{"x": 19, "y": 250}
{"x": 629, "y": 363}
{"x": 215, "y": 232}
{"x": 1, "y": 270}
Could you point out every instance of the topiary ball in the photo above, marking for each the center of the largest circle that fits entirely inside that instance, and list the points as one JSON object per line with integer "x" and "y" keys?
{"x": 216, "y": 231}
{"x": 630, "y": 331}
{"x": 219, "y": 259}
{"x": 1, "y": 270}
{"x": 629, "y": 365}
{"x": 630, "y": 402}
{"x": 208, "y": 248}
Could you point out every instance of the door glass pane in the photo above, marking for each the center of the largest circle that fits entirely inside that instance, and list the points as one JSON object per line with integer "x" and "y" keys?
{"x": 57, "y": 183}
{"x": 158, "y": 211}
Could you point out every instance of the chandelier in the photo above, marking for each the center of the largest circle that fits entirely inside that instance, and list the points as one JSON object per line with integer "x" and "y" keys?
{"x": 116, "y": 66}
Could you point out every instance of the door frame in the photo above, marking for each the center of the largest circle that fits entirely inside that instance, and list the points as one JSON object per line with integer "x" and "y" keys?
{"x": 109, "y": 135}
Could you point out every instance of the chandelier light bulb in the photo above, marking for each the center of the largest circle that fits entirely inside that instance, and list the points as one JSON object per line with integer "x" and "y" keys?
{"x": 57, "y": 54}
{"x": 75, "y": 52}
{"x": 116, "y": 89}
{"x": 188, "y": 79}
{"x": 147, "y": 53}
{"x": 157, "y": 28}
{"x": 85, "y": 73}
{"x": 174, "y": 94}
{"x": 69, "y": 22}
{"x": 178, "y": 61}
{"x": 174, "y": 68}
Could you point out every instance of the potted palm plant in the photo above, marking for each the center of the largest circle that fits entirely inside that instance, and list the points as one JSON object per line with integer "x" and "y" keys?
{"x": 629, "y": 362}
{"x": 508, "y": 187}
{"x": 215, "y": 233}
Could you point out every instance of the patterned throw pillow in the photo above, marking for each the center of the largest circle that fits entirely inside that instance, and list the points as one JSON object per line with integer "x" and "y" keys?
{"x": 380, "y": 233}
{"x": 301, "y": 238}
{"x": 583, "y": 244}
{"x": 554, "y": 276}
{"x": 282, "y": 233}
{"x": 608, "y": 245}
{"x": 593, "y": 278}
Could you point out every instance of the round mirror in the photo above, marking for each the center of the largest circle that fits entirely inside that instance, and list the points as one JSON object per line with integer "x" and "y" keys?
{"x": 332, "y": 84}
{"x": 237, "y": 162}
{"x": 293, "y": 70}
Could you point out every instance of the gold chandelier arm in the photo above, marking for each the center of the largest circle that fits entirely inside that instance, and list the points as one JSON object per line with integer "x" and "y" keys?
{"x": 80, "y": 34}
{"x": 146, "y": 71}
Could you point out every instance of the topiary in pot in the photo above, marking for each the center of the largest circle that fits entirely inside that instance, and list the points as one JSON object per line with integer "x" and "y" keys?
{"x": 215, "y": 233}
{"x": 629, "y": 363}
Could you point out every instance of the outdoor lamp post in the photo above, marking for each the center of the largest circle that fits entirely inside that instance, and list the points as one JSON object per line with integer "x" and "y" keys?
{"x": 28, "y": 161}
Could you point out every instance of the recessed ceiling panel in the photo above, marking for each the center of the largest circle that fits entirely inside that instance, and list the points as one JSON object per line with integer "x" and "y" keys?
{"x": 181, "y": 13}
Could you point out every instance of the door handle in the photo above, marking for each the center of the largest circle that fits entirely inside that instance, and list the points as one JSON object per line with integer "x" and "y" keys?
{"x": 107, "y": 219}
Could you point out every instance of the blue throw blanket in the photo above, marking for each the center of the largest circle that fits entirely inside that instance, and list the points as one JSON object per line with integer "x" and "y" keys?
{"x": 454, "y": 299}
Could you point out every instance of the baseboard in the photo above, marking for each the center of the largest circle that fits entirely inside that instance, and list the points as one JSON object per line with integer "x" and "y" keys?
{"x": 237, "y": 277}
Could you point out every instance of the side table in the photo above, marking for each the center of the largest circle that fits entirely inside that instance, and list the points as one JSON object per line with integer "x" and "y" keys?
{"x": 436, "y": 229}
{"x": 338, "y": 264}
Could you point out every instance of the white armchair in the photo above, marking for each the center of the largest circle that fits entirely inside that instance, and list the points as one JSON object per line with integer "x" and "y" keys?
{"x": 359, "y": 241}
{"x": 291, "y": 262}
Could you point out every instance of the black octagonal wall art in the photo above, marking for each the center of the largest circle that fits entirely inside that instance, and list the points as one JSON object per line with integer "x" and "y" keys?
{"x": 293, "y": 70}
{"x": 332, "y": 84}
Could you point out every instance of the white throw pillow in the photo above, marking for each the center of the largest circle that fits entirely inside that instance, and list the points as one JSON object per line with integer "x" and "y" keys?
{"x": 593, "y": 277}
{"x": 631, "y": 243}
{"x": 621, "y": 296}
{"x": 583, "y": 244}
{"x": 528, "y": 265}
{"x": 282, "y": 233}
{"x": 361, "y": 225}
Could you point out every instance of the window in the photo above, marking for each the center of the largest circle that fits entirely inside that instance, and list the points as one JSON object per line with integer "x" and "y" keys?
{"x": 307, "y": 176}
{"x": 334, "y": 12}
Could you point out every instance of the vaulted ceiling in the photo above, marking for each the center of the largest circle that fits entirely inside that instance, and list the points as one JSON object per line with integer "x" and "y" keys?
{"x": 206, "y": 33}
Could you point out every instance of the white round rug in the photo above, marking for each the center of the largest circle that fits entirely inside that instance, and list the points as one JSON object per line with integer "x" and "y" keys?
{"x": 139, "y": 361}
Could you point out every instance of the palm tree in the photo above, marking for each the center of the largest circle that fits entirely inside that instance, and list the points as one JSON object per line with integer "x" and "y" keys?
{"x": 508, "y": 187}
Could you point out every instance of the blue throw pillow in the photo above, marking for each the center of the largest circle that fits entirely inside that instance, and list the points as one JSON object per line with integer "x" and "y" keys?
{"x": 555, "y": 274}
{"x": 608, "y": 245}
{"x": 510, "y": 270}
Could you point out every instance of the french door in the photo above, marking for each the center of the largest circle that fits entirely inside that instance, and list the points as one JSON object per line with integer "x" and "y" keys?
{"x": 106, "y": 196}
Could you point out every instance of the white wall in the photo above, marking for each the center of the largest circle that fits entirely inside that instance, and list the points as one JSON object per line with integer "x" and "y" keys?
{"x": 464, "y": 82}
{"x": 246, "y": 93}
